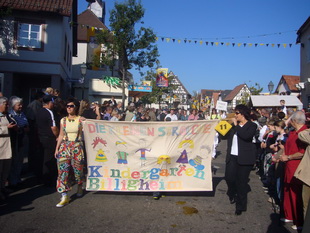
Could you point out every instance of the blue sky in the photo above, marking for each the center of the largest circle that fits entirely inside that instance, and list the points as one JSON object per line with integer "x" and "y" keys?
{"x": 224, "y": 67}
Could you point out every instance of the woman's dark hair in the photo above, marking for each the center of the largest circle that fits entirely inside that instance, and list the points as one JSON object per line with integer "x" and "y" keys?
{"x": 244, "y": 110}
{"x": 56, "y": 91}
{"x": 60, "y": 107}
{"x": 76, "y": 103}
{"x": 254, "y": 117}
{"x": 168, "y": 119}
{"x": 281, "y": 115}
{"x": 105, "y": 103}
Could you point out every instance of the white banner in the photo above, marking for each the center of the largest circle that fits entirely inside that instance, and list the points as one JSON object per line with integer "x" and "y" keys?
{"x": 149, "y": 156}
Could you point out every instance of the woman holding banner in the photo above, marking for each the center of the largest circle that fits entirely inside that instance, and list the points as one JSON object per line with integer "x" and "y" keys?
{"x": 241, "y": 156}
{"x": 69, "y": 152}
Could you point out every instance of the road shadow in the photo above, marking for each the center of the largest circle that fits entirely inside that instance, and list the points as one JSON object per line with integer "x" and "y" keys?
{"x": 19, "y": 199}
{"x": 276, "y": 226}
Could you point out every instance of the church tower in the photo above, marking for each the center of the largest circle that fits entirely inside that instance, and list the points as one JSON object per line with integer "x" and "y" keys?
{"x": 98, "y": 8}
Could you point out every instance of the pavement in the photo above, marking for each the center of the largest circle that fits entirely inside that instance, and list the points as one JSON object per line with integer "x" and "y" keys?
{"x": 32, "y": 209}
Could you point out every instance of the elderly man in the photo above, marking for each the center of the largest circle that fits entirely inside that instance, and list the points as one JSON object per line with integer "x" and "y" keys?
{"x": 303, "y": 171}
{"x": 293, "y": 152}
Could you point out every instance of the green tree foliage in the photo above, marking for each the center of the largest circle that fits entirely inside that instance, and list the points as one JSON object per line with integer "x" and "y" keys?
{"x": 7, "y": 34}
{"x": 128, "y": 41}
{"x": 256, "y": 89}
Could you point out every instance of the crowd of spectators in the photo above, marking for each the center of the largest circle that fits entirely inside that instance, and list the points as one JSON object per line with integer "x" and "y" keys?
{"x": 283, "y": 162}
{"x": 112, "y": 111}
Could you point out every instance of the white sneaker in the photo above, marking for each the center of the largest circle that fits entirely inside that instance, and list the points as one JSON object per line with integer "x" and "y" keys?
{"x": 63, "y": 201}
{"x": 285, "y": 220}
{"x": 271, "y": 200}
{"x": 294, "y": 227}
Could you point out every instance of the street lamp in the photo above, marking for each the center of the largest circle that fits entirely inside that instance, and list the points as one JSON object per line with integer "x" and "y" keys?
{"x": 270, "y": 87}
{"x": 82, "y": 80}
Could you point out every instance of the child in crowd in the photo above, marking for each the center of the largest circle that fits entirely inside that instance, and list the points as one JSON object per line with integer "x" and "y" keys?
{"x": 268, "y": 139}
{"x": 278, "y": 166}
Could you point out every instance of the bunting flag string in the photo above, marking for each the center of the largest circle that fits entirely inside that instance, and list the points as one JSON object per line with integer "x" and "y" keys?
{"x": 240, "y": 37}
{"x": 216, "y": 42}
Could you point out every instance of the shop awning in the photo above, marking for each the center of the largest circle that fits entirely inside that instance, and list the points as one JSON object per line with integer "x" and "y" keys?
{"x": 139, "y": 90}
{"x": 274, "y": 101}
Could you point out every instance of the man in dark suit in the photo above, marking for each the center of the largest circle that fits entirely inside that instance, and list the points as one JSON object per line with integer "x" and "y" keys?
{"x": 241, "y": 156}
{"x": 48, "y": 132}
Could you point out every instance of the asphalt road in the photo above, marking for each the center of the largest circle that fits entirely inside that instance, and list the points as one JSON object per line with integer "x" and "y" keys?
{"x": 32, "y": 209}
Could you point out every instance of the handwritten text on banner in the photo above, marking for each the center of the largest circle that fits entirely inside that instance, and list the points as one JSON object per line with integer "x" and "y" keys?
{"x": 149, "y": 156}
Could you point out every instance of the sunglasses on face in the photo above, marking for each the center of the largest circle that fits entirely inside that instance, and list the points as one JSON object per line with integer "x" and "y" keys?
{"x": 70, "y": 106}
{"x": 237, "y": 113}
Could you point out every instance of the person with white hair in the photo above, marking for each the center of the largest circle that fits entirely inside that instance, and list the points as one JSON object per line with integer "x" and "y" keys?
{"x": 293, "y": 152}
{"x": 19, "y": 140}
{"x": 6, "y": 125}
{"x": 303, "y": 173}
{"x": 119, "y": 107}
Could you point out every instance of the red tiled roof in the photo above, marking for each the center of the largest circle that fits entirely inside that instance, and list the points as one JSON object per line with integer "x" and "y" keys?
{"x": 291, "y": 81}
{"x": 207, "y": 92}
{"x": 62, "y": 7}
{"x": 88, "y": 18}
{"x": 215, "y": 97}
{"x": 234, "y": 92}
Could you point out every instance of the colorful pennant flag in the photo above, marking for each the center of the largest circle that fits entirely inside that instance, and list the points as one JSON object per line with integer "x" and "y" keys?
{"x": 201, "y": 41}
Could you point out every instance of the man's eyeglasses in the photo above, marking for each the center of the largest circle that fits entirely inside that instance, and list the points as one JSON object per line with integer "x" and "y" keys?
{"x": 237, "y": 113}
{"x": 70, "y": 106}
